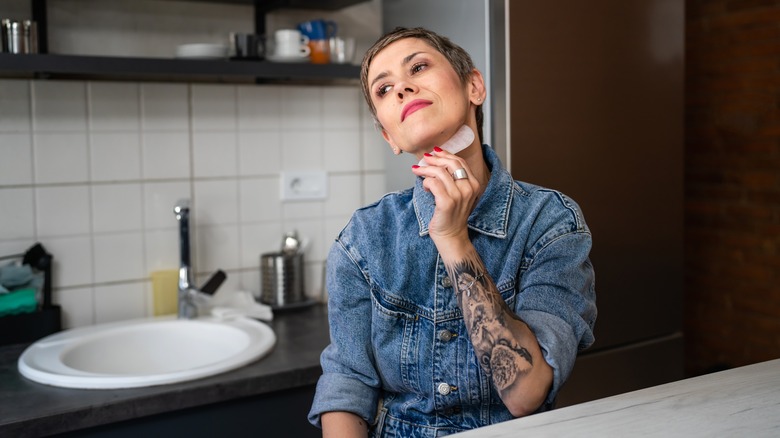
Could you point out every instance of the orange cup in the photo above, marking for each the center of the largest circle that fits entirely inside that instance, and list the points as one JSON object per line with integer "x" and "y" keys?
{"x": 320, "y": 51}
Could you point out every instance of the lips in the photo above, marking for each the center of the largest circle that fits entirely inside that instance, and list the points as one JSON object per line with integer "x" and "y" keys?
{"x": 414, "y": 106}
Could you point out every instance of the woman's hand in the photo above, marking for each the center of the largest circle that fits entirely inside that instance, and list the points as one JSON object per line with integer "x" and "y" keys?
{"x": 455, "y": 200}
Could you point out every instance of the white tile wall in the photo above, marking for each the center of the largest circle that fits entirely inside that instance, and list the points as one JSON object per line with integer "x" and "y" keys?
{"x": 60, "y": 157}
{"x": 92, "y": 171}
{"x": 15, "y": 110}
{"x": 165, "y": 155}
{"x": 214, "y": 153}
{"x": 16, "y": 150}
{"x": 114, "y": 106}
{"x": 115, "y": 156}
{"x": 59, "y": 106}
{"x": 116, "y": 208}
{"x": 165, "y": 107}
{"x": 19, "y": 214}
{"x": 62, "y": 210}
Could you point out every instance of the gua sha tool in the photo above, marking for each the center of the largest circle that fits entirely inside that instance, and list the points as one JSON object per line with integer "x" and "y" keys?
{"x": 461, "y": 140}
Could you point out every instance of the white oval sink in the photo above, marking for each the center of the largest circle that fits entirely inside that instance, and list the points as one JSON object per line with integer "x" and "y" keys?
{"x": 145, "y": 352}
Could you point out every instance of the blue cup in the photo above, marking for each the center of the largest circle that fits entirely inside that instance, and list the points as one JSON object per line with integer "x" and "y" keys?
{"x": 318, "y": 29}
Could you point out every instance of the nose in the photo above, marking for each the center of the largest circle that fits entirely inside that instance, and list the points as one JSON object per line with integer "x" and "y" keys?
{"x": 405, "y": 88}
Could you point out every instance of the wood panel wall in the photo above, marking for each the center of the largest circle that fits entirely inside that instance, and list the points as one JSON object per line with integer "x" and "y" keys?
{"x": 732, "y": 180}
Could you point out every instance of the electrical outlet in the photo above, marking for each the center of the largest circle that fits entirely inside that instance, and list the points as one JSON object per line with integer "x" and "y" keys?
{"x": 304, "y": 185}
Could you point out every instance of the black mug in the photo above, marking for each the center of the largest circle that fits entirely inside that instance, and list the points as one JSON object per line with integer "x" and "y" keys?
{"x": 248, "y": 46}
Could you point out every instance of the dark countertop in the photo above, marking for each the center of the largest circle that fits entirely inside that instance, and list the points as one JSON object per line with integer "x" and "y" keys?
{"x": 28, "y": 408}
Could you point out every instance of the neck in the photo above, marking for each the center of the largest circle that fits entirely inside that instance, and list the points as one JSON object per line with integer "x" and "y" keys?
{"x": 476, "y": 161}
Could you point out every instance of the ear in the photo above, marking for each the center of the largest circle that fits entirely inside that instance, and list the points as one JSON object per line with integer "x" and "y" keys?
{"x": 389, "y": 140}
{"x": 477, "y": 91}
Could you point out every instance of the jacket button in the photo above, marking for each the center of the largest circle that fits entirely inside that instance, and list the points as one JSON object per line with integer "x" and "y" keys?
{"x": 446, "y": 282}
{"x": 443, "y": 388}
{"x": 445, "y": 335}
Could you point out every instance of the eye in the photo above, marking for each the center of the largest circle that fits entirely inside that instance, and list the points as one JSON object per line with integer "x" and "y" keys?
{"x": 383, "y": 89}
{"x": 420, "y": 66}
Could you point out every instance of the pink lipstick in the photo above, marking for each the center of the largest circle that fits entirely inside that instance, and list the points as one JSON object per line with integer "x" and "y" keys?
{"x": 414, "y": 106}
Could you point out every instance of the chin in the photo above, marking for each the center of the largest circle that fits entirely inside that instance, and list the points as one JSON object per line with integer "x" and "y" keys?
{"x": 425, "y": 138}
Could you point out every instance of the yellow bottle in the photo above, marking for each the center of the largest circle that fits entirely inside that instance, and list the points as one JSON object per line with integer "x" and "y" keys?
{"x": 165, "y": 292}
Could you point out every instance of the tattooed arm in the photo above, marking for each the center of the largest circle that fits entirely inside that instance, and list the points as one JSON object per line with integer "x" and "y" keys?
{"x": 505, "y": 346}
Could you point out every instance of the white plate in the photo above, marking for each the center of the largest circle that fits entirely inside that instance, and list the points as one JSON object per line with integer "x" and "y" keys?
{"x": 274, "y": 58}
{"x": 202, "y": 51}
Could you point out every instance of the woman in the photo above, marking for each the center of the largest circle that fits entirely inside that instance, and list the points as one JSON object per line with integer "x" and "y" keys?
{"x": 464, "y": 300}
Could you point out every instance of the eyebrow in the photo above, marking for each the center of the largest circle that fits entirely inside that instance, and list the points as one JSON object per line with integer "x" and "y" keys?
{"x": 384, "y": 74}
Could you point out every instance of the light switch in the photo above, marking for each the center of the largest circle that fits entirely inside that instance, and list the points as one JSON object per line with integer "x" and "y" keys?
{"x": 304, "y": 185}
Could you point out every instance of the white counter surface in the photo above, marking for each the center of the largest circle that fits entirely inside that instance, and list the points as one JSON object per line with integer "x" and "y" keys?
{"x": 741, "y": 402}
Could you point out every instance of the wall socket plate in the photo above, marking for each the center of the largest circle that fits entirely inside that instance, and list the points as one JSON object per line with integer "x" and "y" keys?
{"x": 304, "y": 185}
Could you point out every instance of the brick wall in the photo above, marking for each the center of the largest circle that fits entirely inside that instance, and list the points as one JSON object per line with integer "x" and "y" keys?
{"x": 732, "y": 178}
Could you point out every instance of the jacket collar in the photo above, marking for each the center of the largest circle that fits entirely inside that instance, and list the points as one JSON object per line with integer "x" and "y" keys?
{"x": 490, "y": 216}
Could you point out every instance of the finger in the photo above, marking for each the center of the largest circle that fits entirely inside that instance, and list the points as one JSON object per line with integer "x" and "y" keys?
{"x": 460, "y": 174}
{"x": 438, "y": 171}
{"x": 442, "y": 157}
{"x": 440, "y": 182}
{"x": 456, "y": 166}
{"x": 452, "y": 208}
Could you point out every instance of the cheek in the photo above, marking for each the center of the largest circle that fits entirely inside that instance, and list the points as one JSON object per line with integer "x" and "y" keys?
{"x": 386, "y": 112}
{"x": 384, "y": 121}
{"x": 454, "y": 93}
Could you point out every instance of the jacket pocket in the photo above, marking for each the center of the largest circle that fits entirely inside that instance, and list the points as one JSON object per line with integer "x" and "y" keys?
{"x": 395, "y": 341}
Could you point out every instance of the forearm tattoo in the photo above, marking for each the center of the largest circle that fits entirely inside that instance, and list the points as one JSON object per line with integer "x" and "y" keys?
{"x": 489, "y": 322}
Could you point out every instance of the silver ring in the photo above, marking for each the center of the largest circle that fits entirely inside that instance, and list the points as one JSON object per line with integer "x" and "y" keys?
{"x": 460, "y": 174}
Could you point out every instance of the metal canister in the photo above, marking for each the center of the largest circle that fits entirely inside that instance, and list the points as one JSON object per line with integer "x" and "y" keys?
{"x": 5, "y": 23}
{"x": 30, "y": 34}
{"x": 282, "y": 279}
{"x": 15, "y": 37}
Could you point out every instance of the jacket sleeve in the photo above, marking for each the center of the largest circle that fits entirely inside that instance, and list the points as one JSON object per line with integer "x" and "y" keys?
{"x": 557, "y": 300}
{"x": 349, "y": 381}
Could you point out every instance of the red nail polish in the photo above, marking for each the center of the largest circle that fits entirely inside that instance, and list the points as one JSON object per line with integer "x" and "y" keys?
{"x": 414, "y": 166}
{"x": 427, "y": 154}
{"x": 438, "y": 149}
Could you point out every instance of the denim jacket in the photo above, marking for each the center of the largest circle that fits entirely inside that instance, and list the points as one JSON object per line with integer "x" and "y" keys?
{"x": 400, "y": 356}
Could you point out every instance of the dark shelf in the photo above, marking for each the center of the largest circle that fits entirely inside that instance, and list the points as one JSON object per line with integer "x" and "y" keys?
{"x": 325, "y": 5}
{"x": 126, "y": 68}
{"x": 52, "y": 66}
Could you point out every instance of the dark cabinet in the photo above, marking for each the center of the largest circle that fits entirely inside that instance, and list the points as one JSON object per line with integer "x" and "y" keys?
{"x": 597, "y": 112}
{"x": 277, "y": 414}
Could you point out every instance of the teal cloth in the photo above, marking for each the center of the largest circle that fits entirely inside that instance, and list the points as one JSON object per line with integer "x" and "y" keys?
{"x": 18, "y": 301}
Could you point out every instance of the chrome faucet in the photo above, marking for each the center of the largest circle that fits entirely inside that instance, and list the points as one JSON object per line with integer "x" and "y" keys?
{"x": 188, "y": 294}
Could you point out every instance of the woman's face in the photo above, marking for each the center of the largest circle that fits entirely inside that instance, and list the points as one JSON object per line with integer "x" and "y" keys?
{"x": 419, "y": 98}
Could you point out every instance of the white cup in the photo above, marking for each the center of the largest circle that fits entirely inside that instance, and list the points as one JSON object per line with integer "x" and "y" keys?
{"x": 290, "y": 43}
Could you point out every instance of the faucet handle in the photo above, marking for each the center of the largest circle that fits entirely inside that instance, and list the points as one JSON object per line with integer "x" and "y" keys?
{"x": 290, "y": 243}
{"x": 214, "y": 282}
{"x": 182, "y": 205}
